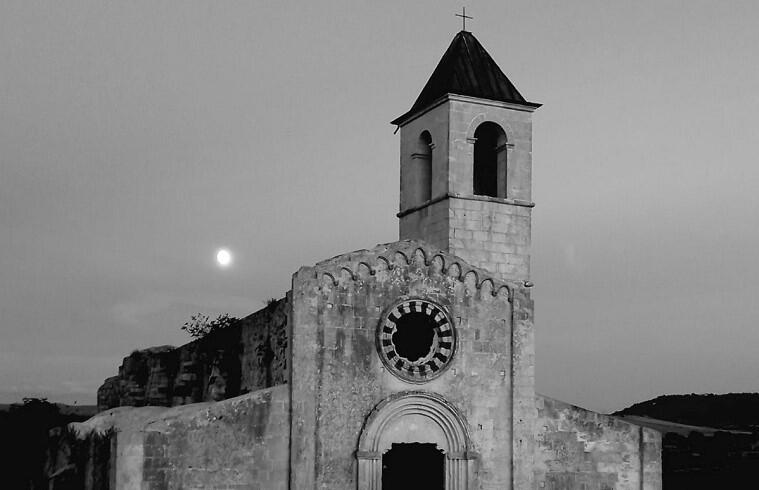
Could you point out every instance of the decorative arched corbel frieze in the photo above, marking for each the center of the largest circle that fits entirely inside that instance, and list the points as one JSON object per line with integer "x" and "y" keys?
{"x": 388, "y": 260}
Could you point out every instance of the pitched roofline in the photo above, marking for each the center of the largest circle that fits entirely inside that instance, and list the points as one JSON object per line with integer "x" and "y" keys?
{"x": 466, "y": 69}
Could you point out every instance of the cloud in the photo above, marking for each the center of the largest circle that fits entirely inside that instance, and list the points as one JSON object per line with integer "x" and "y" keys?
{"x": 140, "y": 311}
{"x": 569, "y": 251}
{"x": 79, "y": 387}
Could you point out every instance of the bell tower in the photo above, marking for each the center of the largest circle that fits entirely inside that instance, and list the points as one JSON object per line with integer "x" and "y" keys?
{"x": 466, "y": 163}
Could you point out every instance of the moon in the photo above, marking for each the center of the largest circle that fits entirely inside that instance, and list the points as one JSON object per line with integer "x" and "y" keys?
{"x": 223, "y": 257}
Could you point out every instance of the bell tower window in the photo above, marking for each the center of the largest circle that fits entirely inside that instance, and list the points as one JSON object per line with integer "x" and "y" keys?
{"x": 421, "y": 161}
{"x": 490, "y": 169}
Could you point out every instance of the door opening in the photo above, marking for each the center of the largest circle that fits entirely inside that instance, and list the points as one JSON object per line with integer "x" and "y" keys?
{"x": 413, "y": 466}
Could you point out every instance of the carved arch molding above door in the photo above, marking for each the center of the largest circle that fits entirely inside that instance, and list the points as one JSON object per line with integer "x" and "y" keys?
{"x": 416, "y": 416}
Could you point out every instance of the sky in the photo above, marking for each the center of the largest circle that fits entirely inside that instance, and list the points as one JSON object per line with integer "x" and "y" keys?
{"x": 136, "y": 138}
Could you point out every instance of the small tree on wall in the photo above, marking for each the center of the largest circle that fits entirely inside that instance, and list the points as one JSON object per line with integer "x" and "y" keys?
{"x": 201, "y": 325}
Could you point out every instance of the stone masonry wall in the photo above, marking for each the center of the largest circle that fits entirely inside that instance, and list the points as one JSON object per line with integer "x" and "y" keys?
{"x": 242, "y": 442}
{"x": 466, "y": 114}
{"x": 492, "y": 235}
{"x": 430, "y": 224}
{"x": 79, "y": 459}
{"x": 338, "y": 377}
{"x": 434, "y": 121}
{"x": 580, "y": 449}
{"x": 239, "y": 443}
{"x": 489, "y": 233}
{"x": 247, "y": 356}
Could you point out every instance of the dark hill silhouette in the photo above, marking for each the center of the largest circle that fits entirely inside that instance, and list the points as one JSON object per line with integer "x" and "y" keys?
{"x": 709, "y": 441}
{"x": 25, "y": 427}
{"x": 731, "y": 411}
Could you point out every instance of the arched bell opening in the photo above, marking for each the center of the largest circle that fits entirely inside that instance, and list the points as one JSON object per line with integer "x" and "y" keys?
{"x": 420, "y": 173}
{"x": 418, "y": 425}
{"x": 489, "y": 176}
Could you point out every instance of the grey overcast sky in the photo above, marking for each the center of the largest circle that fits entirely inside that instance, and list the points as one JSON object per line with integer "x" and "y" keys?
{"x": 137, "y": 137}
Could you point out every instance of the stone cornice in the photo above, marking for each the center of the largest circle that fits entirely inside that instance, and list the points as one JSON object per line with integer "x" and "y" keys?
{"x": 467, "y": 197}
{"x": 408, "y": 117}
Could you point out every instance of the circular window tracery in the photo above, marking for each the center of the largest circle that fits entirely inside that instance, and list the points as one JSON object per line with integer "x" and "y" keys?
{"x": 416, "y": 340}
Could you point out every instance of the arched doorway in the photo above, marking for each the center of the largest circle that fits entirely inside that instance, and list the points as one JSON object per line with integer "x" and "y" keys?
{"x": 415, "y": 428}
{"x": 413, "y": 466}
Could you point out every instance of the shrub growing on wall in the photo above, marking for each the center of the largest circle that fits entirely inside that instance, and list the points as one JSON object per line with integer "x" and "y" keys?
{"x": 201, "y": 325}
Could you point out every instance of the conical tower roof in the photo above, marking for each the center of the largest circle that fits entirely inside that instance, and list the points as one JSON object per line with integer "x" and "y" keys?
{"x": 467, "y": 69}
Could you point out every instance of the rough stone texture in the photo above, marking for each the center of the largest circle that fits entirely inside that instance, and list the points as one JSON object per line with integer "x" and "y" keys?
{"x": 191, "y": 374}
{"x": 435, "y": 121}
{"x": 338, "y": 377}
{"x": 466, "y": 115}
{"x": 264, "y": 355}
{"x": 242, "y": 442}
{"x": 162, "y": 367}
{"x": 580, "y": 449}
{"x": 523, "y": 412}
{"x": 79, "y": 459}
{"x": 247, "y": 356}
{"x": 135, "y": 372}
{"x": 491, "y": 233}
{"x": 109, "y": 393}
{"x": 73, "y": 462}
{"x": 430, "y": 223}
{"x": 238, "y": 443}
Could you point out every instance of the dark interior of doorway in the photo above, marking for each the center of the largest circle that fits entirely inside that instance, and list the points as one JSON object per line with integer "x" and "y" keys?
{"x": 413, "y": 466}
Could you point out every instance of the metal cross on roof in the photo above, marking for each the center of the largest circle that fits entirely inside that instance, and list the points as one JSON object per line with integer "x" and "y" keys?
{"x": 464, "y": 17}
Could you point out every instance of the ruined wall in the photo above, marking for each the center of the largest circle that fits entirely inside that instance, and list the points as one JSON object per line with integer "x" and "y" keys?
{"x": 247, "y": 356}
{"x": 580, "y": 449}
{"x": 338, "y": 377}
{"x": 78, "y": 459}
{"x": 239, "y": 443}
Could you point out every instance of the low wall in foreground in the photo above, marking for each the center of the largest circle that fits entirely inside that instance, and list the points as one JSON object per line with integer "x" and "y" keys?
{"x": 241, "y": 442}
{"x": 580, "y": 449}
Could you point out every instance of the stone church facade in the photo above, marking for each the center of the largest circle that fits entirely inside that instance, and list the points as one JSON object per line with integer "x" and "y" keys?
{"x": 408, "y": 365}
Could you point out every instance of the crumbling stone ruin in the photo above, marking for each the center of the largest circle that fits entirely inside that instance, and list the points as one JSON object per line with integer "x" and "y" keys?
{"x": 247, "y": 356}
